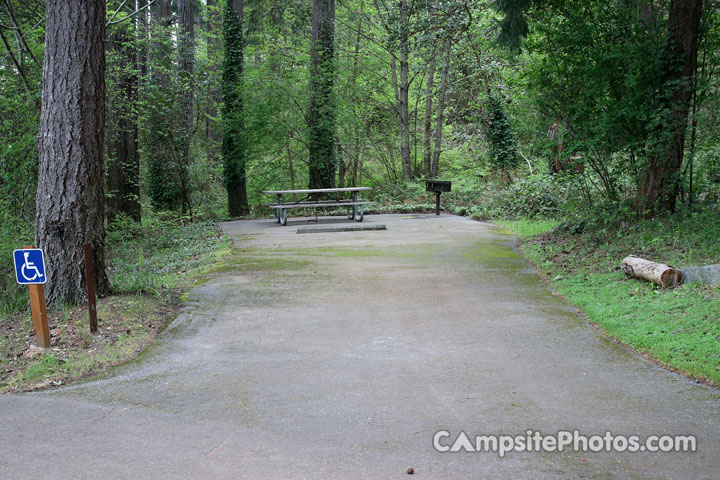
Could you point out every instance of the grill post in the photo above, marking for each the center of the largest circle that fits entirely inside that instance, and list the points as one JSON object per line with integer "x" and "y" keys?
{"x": 437, "y": 186}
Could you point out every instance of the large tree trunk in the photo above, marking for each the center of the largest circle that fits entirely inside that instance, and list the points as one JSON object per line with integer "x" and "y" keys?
{"x": 186, "y": 57}
{"x": 233, "y": 145}
{"x": 657, "y": 192}
{"x": 441, "y": 109}
{"x": 70, "y": 199}
{"x": 122, "y": 128}
{"x": 321, "y": 114}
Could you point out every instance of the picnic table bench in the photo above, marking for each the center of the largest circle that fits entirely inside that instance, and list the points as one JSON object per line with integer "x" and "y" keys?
{"x": 354, "y": 205}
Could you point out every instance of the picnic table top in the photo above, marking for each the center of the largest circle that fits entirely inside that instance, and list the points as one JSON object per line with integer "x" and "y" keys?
{"x": 318, "y": 190}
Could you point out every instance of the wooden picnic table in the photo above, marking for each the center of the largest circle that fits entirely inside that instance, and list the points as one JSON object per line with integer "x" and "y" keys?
{"x": 354, "y": 205}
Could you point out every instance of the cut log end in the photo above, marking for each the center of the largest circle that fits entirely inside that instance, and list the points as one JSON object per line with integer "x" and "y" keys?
{"x": 658, "y": 273}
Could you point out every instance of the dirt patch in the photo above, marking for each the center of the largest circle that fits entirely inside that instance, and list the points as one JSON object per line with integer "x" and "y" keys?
{"x": 127, "y": 324}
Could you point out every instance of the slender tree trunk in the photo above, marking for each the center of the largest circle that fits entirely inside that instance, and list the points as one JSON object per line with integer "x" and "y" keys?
{"x": 214, "y": 47}
{"x": 17, "y": 61}
{"x": 348, "y": 166}
{"x": 162, "y": 158}
{"x": 161, "y": 13}
{"x": 70, "y": 199}
{"x": 321, "y": 114}
{"x": 186, "y": 54}
{"x": 398, "y": 106}
{"x": 291, "y": 168}
{"x": 441, "y": 108}
{"x": 404, "y": 104}
{"x": 22, "y": 45}
{"x": 356, "y": 163}
{"x": 427, "y": 127}
{"x": 233, "y": 145}
{"x": 342, "y": 169}
{"x": 401, "y": 88}
{"x": 142, "y": 28}
{"x": 691, "y": 161}
{"x": 122, "y": 128}
{"x": 657, "y": 192}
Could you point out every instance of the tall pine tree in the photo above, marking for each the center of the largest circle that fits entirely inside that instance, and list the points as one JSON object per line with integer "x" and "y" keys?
{"x": 70, "y": 198}
{"x": 321, "y": 115}
{"x": 233, "y": 136}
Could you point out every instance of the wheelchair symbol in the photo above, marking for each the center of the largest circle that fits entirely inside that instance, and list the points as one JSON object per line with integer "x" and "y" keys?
{"x": 30, "y": 266}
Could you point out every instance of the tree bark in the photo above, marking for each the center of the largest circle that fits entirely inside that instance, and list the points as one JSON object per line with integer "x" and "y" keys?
{"x": 70, "y": 199}
{"x": 441, "y": 108}
{"x": 321, "y": 114}
{"x": 657, "y": 192}
{"x": 233, "y": 145}
{"x": 122, "y": 128}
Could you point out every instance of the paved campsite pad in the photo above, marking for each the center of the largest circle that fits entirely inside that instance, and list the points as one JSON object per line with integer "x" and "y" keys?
{"x": 339, "y": 356}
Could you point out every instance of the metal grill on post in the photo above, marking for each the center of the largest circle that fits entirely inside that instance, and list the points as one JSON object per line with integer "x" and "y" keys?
{"x": 437, "y": 186}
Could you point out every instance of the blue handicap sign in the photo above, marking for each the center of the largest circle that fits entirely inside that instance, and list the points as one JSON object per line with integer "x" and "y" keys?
{"x": 29, "y": 266}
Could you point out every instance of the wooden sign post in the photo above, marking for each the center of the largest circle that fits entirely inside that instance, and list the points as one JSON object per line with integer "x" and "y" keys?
{"x": 39, "y": 313}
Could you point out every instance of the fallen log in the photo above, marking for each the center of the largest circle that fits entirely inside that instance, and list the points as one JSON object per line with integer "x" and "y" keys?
{"x": 658, "y": 273}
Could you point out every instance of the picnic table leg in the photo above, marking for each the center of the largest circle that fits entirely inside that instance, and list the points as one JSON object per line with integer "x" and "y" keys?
{"x": 357, "y": 209}
{"x": 354, "y": 207}
{"x": 350, "y": 213}
{"x": 283, "y": 216}
{"x": 277, "y": 210}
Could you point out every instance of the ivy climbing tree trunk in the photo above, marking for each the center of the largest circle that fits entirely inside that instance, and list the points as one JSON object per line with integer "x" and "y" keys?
{"x": 321, "y": 114}
{"x": 122, "y": 126}
{"x": 70, "y": 199}
{"x": 657, "y": 192}
{"x": 233, "y": 131}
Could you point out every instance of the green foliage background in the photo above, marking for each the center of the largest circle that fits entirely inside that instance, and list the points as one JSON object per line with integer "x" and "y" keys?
{"x": 590, "y": 66}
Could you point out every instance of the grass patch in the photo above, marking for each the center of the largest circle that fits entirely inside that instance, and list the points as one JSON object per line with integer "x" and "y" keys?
{"x": 677, "y": 328}
{"x": 152, "y": 258}
{"x": 150, "y": 267}
{"x": 528, "y": 228}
